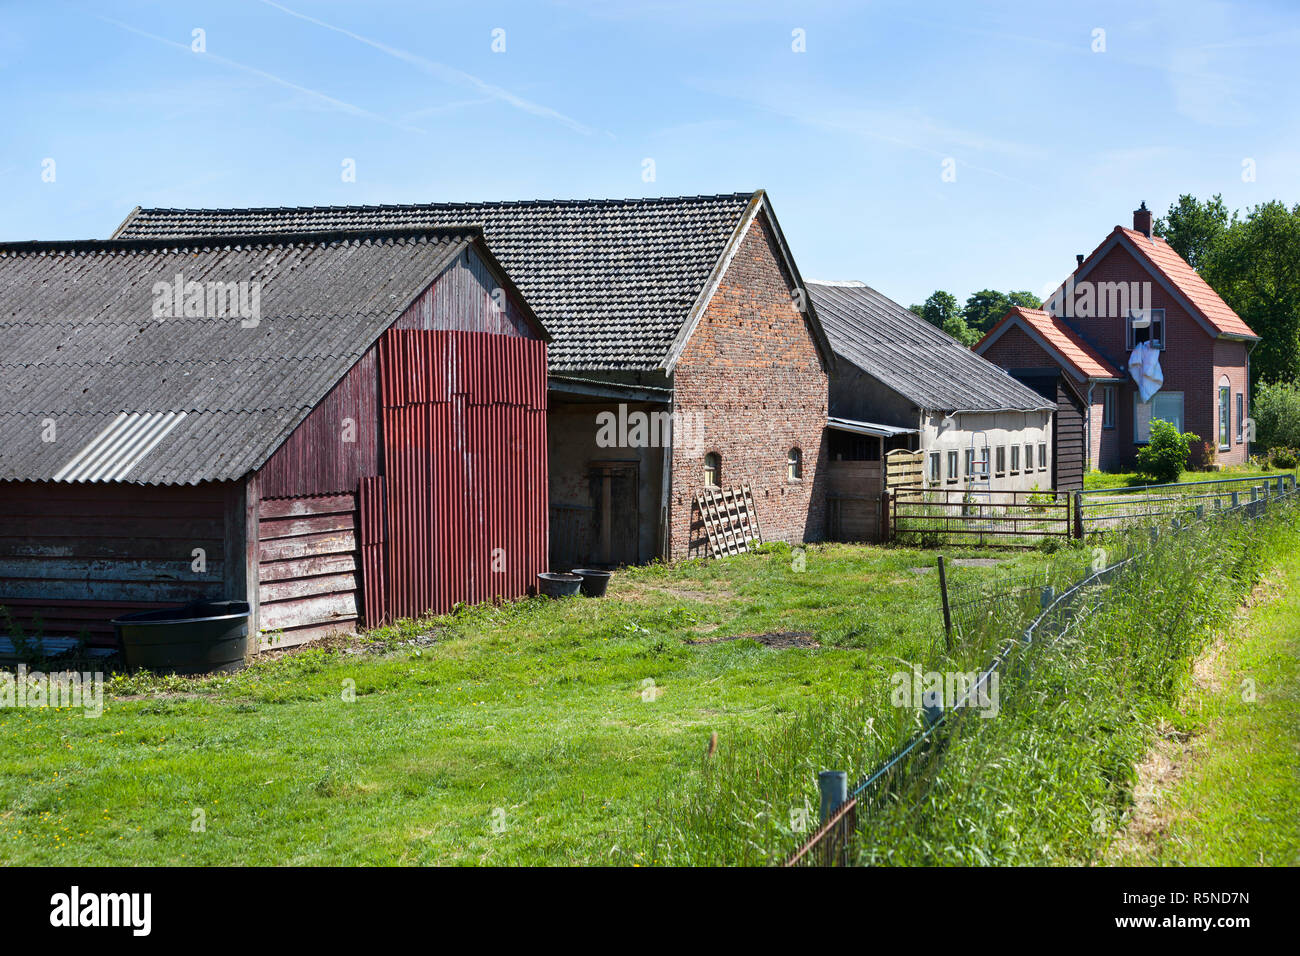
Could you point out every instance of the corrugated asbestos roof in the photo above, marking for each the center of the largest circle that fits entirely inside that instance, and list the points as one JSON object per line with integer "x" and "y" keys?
{"x": 94, "y": 387}
{"x": 614, "y": 280}
{"x": 918, "y": 361}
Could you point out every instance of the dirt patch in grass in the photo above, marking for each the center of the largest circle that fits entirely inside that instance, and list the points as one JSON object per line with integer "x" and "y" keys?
{"x": 778, "y": 640}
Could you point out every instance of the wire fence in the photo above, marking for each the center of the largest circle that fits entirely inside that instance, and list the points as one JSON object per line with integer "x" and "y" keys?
{"x": 1016, "y": 613}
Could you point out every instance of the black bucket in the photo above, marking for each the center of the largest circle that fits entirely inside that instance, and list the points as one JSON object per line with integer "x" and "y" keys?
{"x": 558, "y": 585}
{"x": 594, "y": 582}
{"x": 196, "y": 638}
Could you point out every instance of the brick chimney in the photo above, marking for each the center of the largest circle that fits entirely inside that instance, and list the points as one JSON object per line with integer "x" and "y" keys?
{"x": 1142, "y": 220}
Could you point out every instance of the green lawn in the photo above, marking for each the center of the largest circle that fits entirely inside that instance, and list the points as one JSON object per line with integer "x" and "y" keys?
{"x": 1237, "y": 800}
{"x": 524, "y": 733}
{"x": 1096, "y": 480}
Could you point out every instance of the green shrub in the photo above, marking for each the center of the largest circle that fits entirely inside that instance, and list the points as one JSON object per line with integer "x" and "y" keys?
{"x": 1284, "y": 458}
{"x": 1165, "y": 456}
{"x": 1276, "y": 411}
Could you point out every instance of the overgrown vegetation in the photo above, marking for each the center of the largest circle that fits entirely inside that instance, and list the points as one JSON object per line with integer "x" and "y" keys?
{"x": 1045, "y": 781}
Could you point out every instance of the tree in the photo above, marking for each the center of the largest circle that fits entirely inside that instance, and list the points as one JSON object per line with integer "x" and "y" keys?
{"x": 939, "y": 308}
{"x": 984, "y": 309}
{"x": 1194, "y": 229}
{"x": 1256, "y": 268}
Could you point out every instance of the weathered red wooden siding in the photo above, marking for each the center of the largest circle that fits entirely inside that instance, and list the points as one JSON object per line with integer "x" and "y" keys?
{"x": 467, "y": 297}
{"x": 317, "y": 458}
{"x": 308, "y": 584}
{"x": 78, "y": 555}
{"x": 464, "y": 438}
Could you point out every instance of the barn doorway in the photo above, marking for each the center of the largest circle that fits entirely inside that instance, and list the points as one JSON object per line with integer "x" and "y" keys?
{"x": 615, "y": 538}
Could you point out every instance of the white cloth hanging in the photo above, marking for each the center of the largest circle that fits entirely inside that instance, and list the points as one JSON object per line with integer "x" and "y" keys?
{"x": 1144, "y": 366}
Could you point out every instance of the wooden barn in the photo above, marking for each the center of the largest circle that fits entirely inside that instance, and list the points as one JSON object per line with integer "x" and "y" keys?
{"x": 339, "y": 427}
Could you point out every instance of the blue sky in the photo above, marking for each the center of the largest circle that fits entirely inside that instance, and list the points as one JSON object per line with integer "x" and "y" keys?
{"x": 1052, "y": 143}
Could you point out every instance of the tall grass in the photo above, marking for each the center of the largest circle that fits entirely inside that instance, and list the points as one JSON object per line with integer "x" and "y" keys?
{"x": 1045, "y": 781}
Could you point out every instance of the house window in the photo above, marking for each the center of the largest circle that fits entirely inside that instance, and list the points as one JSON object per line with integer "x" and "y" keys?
{"x": 1029, "y": 457}
{"x": 794, "y": 464}
{"x": 1241, "y": 417}
{"x": 1108, "y": 406}
{"x": 1146, "y": 325}
{"x": 1015, "y": 459}
{"x": 1002, "y": 461}
{"x": 1225, "y": 424}
{"x": 952, "y": 466}
{"x": 713, "y": 470}
{"x": 970, "y": 462}
{"x": 1042, "y": 456}
{"x": 934, "y": 467}
{"x": 1166, "y": 406}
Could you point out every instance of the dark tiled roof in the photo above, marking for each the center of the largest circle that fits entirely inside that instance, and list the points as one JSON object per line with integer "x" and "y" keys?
{"x": 918, "y": 361}
{"x": 82, "y": 347}
{"x": 613, "y": 279}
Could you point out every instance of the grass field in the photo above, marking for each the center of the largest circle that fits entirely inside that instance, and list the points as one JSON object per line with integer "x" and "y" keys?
{"x": 524, "y": 733}
{"x": 1231, "y": 793}
{"x": 1097, "y": 480}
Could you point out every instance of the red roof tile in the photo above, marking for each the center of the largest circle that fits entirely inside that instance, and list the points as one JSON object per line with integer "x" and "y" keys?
{"x": 1085, "y": 359}
{"x": 1189, "y": 282}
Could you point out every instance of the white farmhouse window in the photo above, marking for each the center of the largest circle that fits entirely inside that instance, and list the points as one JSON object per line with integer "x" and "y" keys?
{"x": 1166, "y": 406}
{"x": 934, "y": 467}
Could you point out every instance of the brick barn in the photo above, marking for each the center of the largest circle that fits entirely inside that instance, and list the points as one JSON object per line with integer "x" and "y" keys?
{"x": 1132, "y": 289}
{"x": 901, "y": 383}
{"x": 684, "y": 307}
{"x": 310, "y": 422}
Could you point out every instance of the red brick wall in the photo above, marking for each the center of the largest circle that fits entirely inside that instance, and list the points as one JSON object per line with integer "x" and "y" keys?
{"x": 1015, "y": 349}
{"x": 1230, "y": 360}
{"x": 752, "y": 379}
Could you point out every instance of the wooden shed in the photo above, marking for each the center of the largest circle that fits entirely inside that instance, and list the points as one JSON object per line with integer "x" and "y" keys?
{"x": 339, "y": 427}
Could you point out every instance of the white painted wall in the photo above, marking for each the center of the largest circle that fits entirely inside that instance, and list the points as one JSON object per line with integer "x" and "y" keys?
{"x": 1001, "y": 430}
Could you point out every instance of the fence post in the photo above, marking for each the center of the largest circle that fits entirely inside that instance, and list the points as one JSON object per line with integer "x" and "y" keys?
{"x": 1236, "y": 500}
{"x": 1281, "y": 486}
{"x": 1078, "y": 514}
{"x": 1200, "y": 511}
{"x": 1254, "y": 492}
{"x": 834, "y": 788}
{"x": 947, "y": 614}
{"x": 1047, "y": 596}
{"x": 886, "y": 524}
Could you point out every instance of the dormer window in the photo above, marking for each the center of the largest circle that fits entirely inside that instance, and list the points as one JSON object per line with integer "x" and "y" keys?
{"x": 1146, "y": 325}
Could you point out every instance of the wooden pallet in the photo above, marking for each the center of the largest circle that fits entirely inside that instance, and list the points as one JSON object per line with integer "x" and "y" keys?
{"x": 730, "y": 519}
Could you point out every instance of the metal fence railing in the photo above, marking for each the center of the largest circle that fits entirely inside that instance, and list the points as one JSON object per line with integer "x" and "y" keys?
{"x": 842, "y": 809}
{"x": 1103, "y": 509}
{"x": 919, "y": 513}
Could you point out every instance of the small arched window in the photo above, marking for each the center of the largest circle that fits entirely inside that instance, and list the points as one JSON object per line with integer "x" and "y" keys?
{"x": 713, "y": 470}
{"x": 794, "y": 464}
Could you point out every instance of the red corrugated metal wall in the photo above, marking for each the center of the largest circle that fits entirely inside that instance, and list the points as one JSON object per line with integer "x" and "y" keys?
{"x": 465, "y": 491}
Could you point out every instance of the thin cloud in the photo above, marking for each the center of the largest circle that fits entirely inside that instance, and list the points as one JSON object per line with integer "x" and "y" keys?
{"x": 448, "y": 73}
{"x": 279, "y": 80}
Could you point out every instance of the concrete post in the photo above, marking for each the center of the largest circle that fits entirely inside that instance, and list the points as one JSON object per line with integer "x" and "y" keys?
{"x": 834, "y": 787}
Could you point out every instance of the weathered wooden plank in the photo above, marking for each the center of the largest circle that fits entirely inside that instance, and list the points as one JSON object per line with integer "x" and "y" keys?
{"x": 316, "y": 524}
{"x": 65, "y": 590}
{"x": 165, "y": 549}
{"x": 306, "y": 587}
{"x": 307, "y": 567}
{"x": 317, "y": 505}
{"x": 111, "y": 526}
{"x": 304, "y": 612}
{"x": 100, "y": 569}
{"x": 301, "y": 635}
{"x": 304, "y": 546}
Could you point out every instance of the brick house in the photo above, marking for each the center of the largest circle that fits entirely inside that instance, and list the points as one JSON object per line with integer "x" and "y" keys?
{"x": 686, "y": 307}
{"x": 1135, "y": 288}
